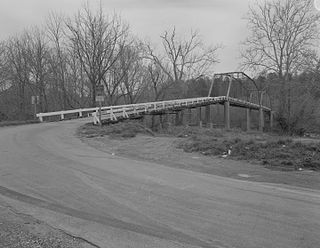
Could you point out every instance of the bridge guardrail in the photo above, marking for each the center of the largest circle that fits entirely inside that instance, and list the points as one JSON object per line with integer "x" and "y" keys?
{"x": 113, "y": 112}
{"x": 147, "y": 105}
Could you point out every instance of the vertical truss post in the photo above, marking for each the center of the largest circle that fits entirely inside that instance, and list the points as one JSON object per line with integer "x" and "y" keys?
{"x": 227, "y": 107}
{"x": 211, "y": 86}
{"x": 229, "y": 87}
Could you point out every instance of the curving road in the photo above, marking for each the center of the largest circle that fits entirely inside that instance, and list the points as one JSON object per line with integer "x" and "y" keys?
{"x": 47, "y": 172}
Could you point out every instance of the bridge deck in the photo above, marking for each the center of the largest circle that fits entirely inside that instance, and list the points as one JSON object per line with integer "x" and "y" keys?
{"x": 127, "y": 111}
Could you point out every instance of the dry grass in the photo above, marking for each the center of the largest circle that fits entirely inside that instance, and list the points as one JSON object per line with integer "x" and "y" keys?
{"x": 281, "y": 153}
{"x": 268, "y": 149}
{"x": 125, "y": 129}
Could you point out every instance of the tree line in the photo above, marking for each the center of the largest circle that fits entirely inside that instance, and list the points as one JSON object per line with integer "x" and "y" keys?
{"x": 63, "y": 61}
{"x": 283, "y": 49}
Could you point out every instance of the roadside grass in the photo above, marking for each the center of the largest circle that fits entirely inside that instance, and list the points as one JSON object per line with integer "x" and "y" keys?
{"x": 17, "y": 123}
{"x": 268, "y": 149}
{"x": 278, "y": 153}
{"x": 125, "y": 129}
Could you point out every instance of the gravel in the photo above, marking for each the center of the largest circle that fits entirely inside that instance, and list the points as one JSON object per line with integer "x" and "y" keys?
{"x": 22, "y": 231}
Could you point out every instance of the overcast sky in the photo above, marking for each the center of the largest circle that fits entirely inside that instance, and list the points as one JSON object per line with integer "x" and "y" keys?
{"x": 218, "y": 21}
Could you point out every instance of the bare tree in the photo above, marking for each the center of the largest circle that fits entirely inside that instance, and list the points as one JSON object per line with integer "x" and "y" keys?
{"x": 184, "y": 58}
{"x": 131, "y": 70}
{"x": 159, "y": 81}
{"x": 38, "y": 57}
{"x": 282, "y": 34}
{"x": 96, "y": 40}
{"x": 2, "y": 66}
{"x": 55, "y": 27}
{"x": 115, "y": 80}
{"x": 18, "y": 69}
{"x": 77, "y": 82}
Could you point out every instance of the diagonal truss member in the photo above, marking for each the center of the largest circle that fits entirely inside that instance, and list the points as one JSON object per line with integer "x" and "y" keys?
{"x": 238, "y": 76}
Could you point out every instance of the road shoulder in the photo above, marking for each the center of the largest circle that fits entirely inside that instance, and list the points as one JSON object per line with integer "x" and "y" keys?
{"x": 162, "y": 150}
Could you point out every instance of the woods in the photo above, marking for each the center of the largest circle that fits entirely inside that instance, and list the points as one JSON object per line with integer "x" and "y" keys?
{"x": 64, "y": 60}
{"x": 282, "y": 50}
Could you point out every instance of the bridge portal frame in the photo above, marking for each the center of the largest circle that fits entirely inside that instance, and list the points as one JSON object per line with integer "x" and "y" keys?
{"x": 239, "y": 76}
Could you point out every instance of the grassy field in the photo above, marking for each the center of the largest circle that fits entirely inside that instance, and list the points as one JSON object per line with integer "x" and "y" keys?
{"x": 268, "y": 149}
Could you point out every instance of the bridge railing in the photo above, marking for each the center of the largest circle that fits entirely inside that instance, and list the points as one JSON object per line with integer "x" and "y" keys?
{"x": 113, "y": 112}
{"x": 120, "y": 108}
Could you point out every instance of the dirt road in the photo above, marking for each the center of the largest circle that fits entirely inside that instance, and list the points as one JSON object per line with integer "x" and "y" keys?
{"x": 46, "y": 172}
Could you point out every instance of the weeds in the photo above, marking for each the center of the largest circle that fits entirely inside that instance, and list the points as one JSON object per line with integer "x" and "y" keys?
{"x": 126, "y": 129}
{"x": 273, "y": 152}
{"x": 281, "y": 153}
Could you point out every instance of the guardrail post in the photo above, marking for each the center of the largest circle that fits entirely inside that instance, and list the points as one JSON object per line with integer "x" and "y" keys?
{"x": 62, "y": 116}
{"x": 95, "y": 119}
{"x": 80, "y": 114}
{"x": 111, "y": 114}
{"x": 41, "y": 118}
{"x": 227, "y": 115}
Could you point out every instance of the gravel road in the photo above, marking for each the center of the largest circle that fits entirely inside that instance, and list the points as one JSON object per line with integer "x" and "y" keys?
{"x": 49, "y": 174}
